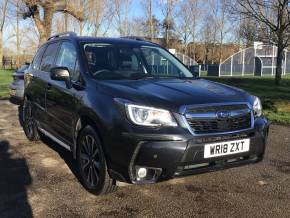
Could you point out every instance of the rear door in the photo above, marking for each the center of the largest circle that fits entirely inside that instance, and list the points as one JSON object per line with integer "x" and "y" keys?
{"x": 61, "y": 101}
{"x": 35, "y": 84}
{"x": 41, "y": 77}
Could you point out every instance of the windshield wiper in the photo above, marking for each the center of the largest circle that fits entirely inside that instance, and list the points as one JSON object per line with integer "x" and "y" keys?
{"x": 137, "y": 76}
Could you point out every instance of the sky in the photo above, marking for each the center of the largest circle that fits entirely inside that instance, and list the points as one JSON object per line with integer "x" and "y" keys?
{"x": 136, "y": 10}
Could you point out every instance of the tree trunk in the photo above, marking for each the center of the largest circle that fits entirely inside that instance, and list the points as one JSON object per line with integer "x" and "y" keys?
{"x": 81, "y": 27}
{"x": 151, "y": 21}
{"x": 17, "y": 37}
{"x": 65, "y": 22}
{"x": 221, "y": 47}
{"x": 1, "y": 49}
{"x": 279, "y": 62}
{"x": 166, "y": 38}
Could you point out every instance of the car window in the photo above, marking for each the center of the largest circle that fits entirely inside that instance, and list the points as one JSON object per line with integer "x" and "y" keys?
{"x": 67, "y": 57}
{"x": 107, "y": 61}
{"x": 37, "y": 58}
{"x": 48, "y": 57}
{"x": 110, "y": 61}
{"x": 76, "y": 75}
{"x": 158, "y": 64}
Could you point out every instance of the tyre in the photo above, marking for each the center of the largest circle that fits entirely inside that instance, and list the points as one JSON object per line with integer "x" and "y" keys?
{"x": 92, "y": 163}
{"x": 29, "y": 124}
{"x": 20, "y": 115}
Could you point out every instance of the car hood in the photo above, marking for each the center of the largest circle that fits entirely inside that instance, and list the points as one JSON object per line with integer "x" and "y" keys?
{"x": 171, "y": 94}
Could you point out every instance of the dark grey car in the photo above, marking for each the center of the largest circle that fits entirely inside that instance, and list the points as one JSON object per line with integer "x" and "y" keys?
{"x": 17, "y": 86}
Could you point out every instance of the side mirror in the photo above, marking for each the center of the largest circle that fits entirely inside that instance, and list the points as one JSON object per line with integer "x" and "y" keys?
{"x": 59, "y": 74}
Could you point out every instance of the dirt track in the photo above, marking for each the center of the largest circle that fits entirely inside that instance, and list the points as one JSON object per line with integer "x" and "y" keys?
{"x": 39, "y": 180}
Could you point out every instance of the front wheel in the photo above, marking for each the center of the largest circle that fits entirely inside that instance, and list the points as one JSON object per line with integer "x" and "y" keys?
{"x": 92, "y": 163}
{"x": 29, "y": 124}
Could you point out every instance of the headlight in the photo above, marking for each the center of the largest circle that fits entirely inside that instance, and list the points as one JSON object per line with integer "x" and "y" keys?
{"x": 257, "y": 107}
{"x": 149, "y": 116}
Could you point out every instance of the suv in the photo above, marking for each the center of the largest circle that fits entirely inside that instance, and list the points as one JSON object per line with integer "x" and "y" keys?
{"x": 129, "y": 111}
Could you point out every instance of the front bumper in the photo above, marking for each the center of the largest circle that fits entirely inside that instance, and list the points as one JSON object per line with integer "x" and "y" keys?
{"x": 179, "y": 156}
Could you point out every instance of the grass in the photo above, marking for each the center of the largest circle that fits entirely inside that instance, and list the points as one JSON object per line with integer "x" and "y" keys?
{"x": 275, "y": 99}
{"x": 203, "y": 73}
{"x": 5, "y": 80}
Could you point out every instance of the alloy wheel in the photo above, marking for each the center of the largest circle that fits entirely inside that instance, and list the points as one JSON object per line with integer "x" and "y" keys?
{"x": 90, "y": 160}
{"x": 28, "y": 120}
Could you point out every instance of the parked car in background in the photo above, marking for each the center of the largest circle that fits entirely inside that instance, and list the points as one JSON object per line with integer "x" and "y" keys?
{"x": 17, "y": 86}
{"x": 128, "y": 110}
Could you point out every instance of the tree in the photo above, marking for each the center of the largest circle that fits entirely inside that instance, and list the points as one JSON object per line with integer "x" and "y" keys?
{"x": 250, "y": 31}
{"x": 167, "y": 8}
{"x": 213, "y": 16}
{"x": 222, "y": 26}
{"x": 184, "y": 21}
{"x": 14, "y": 18}
{"x": 3, "y": 9}
{"x": 156, "y": 28}
{"x": 208, "y": 36}
{"x": 247, "y": 32}
{"x": 121, "y": 11}
{"x": 148, "y": 4}
{"x": 187, "y": 17}
{"x": 136, "y": 27}
{"x": 274, "y": 15}
{"x": 98, "y": 14}
{"x": 42, "y": 11}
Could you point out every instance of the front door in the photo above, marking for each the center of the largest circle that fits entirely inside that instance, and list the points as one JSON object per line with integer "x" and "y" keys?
{"x": 60, "y": 99}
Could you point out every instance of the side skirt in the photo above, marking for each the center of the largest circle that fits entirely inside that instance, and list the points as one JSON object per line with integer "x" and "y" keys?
{"x": 54, "y": 138}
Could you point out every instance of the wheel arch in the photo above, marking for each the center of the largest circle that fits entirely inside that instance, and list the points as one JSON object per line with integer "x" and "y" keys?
{"x": 85, "y": 117}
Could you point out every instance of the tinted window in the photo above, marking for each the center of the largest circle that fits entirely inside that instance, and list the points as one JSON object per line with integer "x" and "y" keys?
{"x": 48, "y": 57}
{"x": 107, "y": 61}
{"x": 159, "y": 64}
{"x": 37, "y": 58}
{"x": 76, "y": 75}
{"x": 67, "y": 57}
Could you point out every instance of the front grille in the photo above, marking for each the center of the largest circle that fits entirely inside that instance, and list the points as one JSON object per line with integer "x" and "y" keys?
{"x": 227, "y": 137}
{"x": 215, "y": 108}
{"x": 203, "y": 121}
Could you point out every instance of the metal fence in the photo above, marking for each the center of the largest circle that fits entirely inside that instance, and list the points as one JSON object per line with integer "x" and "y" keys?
{"x": 188, "y": 61}
{"x": 258, "y": 60}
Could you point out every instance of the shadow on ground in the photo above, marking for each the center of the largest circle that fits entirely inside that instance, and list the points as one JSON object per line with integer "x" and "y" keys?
{"x": 14, "y": 180}
{"x": 64, "y": 154}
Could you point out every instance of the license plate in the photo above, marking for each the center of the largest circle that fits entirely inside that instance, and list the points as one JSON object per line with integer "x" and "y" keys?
{"x": 226, "y": 148}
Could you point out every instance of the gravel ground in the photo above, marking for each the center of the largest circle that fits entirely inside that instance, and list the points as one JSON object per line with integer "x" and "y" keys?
{"x": 39, "y": 180}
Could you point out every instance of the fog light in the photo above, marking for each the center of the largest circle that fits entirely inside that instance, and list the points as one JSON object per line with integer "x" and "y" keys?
{"x": 142, "y": 172}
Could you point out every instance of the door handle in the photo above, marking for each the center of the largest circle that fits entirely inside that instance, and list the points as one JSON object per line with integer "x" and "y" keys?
{"x": 48, "y": 86}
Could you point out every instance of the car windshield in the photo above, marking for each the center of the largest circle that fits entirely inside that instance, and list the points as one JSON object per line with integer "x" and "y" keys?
{"x": 106, "y": 61}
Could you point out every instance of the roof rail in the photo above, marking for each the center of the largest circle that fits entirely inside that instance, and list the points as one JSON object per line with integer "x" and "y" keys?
{"x": 70, "y": 34}
{"x": 134, "y": 38}
{"x": 139, "y": 38}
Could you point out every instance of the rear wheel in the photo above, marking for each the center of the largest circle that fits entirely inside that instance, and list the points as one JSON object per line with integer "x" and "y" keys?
{"x": 29, "y": 124}
{"x": 92, "y": 163}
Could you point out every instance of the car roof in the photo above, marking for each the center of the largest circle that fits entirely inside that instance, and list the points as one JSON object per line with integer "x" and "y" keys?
{"x": 115, "y": 41}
